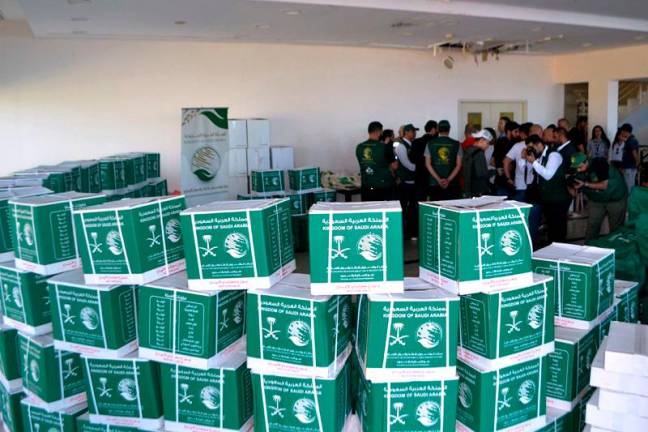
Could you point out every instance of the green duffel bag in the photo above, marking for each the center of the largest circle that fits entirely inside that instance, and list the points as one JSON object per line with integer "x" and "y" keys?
{"x": 637, "y": 205}
{"x": 629, "y": 265}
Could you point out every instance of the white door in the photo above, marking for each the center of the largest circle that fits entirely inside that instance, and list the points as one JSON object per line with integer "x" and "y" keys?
{"x": 487, "y": 113}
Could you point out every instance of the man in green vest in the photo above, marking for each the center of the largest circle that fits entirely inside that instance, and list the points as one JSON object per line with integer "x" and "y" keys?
{"x": 376, "y": 162}
{"x": 406, "y": 174}
{"x": 554, "y": 196}
{"x": 605, "y": 190}
{"x": 443, "y": 157}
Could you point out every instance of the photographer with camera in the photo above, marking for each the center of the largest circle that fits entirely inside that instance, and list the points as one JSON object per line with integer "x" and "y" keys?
{"x": 553, "y": 195}
{"x": 605, "y": 190}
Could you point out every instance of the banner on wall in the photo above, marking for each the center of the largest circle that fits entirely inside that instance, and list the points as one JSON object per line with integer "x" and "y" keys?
{"x": 205, "y": 144}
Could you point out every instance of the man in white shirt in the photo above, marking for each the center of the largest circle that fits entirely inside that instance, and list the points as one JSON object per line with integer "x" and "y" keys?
{"x": 406, "y": 173}
{"x": 523, "y": 171}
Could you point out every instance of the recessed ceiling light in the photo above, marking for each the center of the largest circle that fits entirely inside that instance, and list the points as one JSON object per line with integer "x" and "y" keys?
{"x": 587, "y": 45}
{"x": 291, "y": 12}
{"x": 560, "y": 36}
{"x": 640, "y": 37}
{"x": 449, "y": 36}
{"x": 79, "y": 19}
{"x": 536, "y": 29}
{"x": 547, "y": 38}
{"x": 79, "y": 32}
{"x": 407, "y": 34}
{"x": 180, "y": 22}
{"x": 262, "y": 26}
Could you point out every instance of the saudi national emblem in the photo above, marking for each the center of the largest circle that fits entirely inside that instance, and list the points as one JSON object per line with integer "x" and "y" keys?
{"x": 236, "y": 245}
{"x": 299, "y": 333}
{"x": 305, "y": 411}
{"x": 173, "y": 230}
{"x": 114, "y": 242}
{"x": 526, "y": 392}
{"x": 428, "y": 413}
{"x": 534, "y": 316}
{"x": 429, "y": 335}
{"x": 511, "y": 242}
{"x": 370, "y": 247}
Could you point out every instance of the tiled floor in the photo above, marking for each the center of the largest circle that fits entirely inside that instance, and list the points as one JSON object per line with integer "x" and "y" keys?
{"x": 410, "y": 253}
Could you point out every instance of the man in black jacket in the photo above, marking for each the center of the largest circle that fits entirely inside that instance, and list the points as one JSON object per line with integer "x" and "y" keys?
{"x": 475, "y": 167}
{"x": 422, "y": 176}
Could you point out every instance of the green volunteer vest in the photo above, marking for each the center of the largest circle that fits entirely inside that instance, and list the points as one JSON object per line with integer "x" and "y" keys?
{"x": 403, "y": 173}
{"x": 554, "y": 190}
{"x": 443, "y": 153}
{"x": 616, "y": 189}
{"x": 374, "y": 168}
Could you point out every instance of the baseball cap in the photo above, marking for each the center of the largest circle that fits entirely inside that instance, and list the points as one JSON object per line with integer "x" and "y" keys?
{"x": 577, "y": 159}
{"x": 483, "y": 134}
{"x": 409, "y": 127}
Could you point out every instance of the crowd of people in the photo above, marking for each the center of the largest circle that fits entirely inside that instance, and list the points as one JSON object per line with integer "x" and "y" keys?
{"x": 544, "y": 166}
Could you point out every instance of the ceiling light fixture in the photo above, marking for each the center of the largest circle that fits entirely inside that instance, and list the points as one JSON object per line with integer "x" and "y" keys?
{"x": 79, "y": 19}
{"x": 262, "y": 26}
{"x": 587, "y": 45}
{"x": 547, "y": 38}
{"x": 408, "y": 34}
{"x": 536, "y": 29}
{"x": 179, "y": 22}
{"x": 449, "y": 36}
{"x": 448, "y": 62}
{"x": 291, "y": 12}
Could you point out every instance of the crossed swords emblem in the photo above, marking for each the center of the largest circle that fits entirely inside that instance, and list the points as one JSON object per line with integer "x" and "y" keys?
{"x": 95, "y": 245}
{"x": 155, "y": 238}
{"x": 514, "y": 325}
{"x": 70, "y": 371}
{"x": 506, "y": 400}
{"x": 270, "y": 333}
{"x": 486, "y": 249}
{"x": 398, "y": 338}
{"x": 208, "y": 249}
{"x": 276, "y": 410}
{"x": 67, "y": 314}
{"x": 225, "y": 321}
{"x": 398, "y": 417}
{"x": 104, "y": 391}
{"x": 185, "y": 397}
{"x": 339, "y": 251}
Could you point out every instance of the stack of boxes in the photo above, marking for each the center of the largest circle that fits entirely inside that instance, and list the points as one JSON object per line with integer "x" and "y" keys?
{"x": 42, "y": 384}
{"x": 249, "y": 150}
{"x": 619, "y": 372}
{"x": 480, "y": 249}
{"x": 585, "y": 306}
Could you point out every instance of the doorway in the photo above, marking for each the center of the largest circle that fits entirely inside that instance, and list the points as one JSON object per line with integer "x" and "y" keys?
{"x": 482, "y": 114}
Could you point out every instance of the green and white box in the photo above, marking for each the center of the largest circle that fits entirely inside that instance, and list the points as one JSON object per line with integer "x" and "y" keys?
{"x": 505, "y": 327}
{"x": 267, "y": 181}
{"x": 36, "y": 416}
{"x": 584, "y": 280}
{"x": 303, "y": 404}
{"x": 190, "y": 328}
{"x": 475, "y": 245}
{"x": 507, "y": 399}
{"x": 113, "y": 173}
{"x": 133, "y": 241}
{"x": 124, "y": 392}
{"x": 234, "y": 245}
{"x": 293, "y": 332}
{"x": 628, "y": 294}
{"x": 152, "y": 164}
{"x": 324, "y": 195}
{"x": 83, "y": 424}
{"x": 89, "y": 176}
{"x": 569, "y": 366}
{"x": 6, "y": 226}
{"x": 156, "y": 187}
{"x": 300, "y": 202}
{"x": 135, "y": 167}
{"x": 10, "y": 377}
{"x": 52, "y": 376}
{"x": 10, "y": 409}
{"x": 415, "y": 406}
{"x": 304, "y": 178}
{"x": 75, "y": 170}
{"x": 92, "y": 319}
{"x": 197, "y": 400}
{"x": 356, "y": 248}
{"x": 411, "y": 336}
{"x": 43, "y": 236}
{"x": 25, "y": 300}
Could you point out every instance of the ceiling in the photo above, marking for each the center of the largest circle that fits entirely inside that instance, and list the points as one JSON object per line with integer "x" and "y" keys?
{"x": 535, "y": 26}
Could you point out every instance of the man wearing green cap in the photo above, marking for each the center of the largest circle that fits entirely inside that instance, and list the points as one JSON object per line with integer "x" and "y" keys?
{"x": 375, "y": 160}
{"x": 406, "y": 173}
{"x": 443, "y": 157}
{"x": 605, "y": 190}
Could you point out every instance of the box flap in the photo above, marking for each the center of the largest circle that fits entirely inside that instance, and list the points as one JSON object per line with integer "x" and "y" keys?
{"x": 355, "y": 207}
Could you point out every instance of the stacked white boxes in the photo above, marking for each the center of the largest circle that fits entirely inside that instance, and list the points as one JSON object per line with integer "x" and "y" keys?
{"x": 620, "y": 374}
{"x": 249, "y": 150}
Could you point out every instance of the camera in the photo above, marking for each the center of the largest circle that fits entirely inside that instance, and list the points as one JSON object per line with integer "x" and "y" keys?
{"x": 530, "y": 150}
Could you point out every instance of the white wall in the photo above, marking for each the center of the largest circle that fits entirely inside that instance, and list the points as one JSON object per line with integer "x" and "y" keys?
{"x": 63, "y": 99}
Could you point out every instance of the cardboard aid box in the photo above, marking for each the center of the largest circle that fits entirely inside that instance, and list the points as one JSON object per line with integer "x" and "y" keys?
{"x": 408, "y": 336}
{"x": 619, "y": 382}
{"x": 600, "y": 417}
{"x": 301, "y": 404}
{"x": 124, "y": 391}
{"x": 356, "y": 248}
{"x": 290, "y": 331}
{"x": 304, "y": 178}
{"x": 267, "y": 181}
{"x": 234, "y": 245}
{"x": 194, "y": 329}
{"x": 10, "y": 409}
{"x": 112, "y": 171}
{"x": 92, "y": 319}
{"x": 414, "y": 406}
{"x": 36, "y": 417}
{"x": 132, "y": 241}
{"x": 83, "y": 424}
{"x": 43, "y": 236}
{"x": 627, "y": 349}
{"x": 6, "y": 246}
{"x": 504, "y": 327}
{"x": 10, "y": 377}
{"x": 197, "y": 400}
{"x": 507, "y": 399}
{"x": 475, "y": 245}
{"x": 628, "y": 294}
{"x": 584, "y": 279}
{"x": 52, "y": 376}
{"x": 25, "y": 300}
{"x": 325, "y": 195}
{"x": 152, "y": 164}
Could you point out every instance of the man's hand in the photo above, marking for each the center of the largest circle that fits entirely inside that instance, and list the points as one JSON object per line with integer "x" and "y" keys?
{"x": 444, "y": 183}
{"x": 578, "y": 184}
